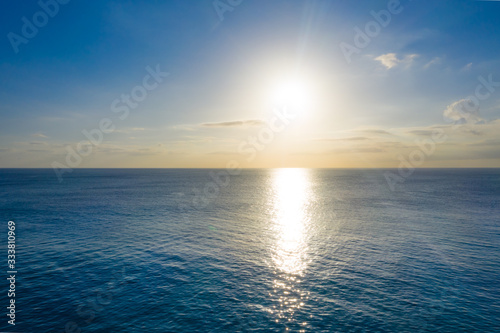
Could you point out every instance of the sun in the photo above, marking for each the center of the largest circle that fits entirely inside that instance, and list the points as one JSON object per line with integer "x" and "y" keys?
{"x": 293, "y": 94}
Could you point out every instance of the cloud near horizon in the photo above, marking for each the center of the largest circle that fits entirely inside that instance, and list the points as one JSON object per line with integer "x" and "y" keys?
{"x": 236, "y": 123}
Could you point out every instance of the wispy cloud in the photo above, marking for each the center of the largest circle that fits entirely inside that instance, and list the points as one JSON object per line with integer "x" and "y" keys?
{"x": 374, "y": 131}
{"x": 223, "y": 153}
{"x": 355, "y": 150}
{"x": 129, "y": 130}
{"x": 462, "y": 111}
{"x": 356, "y": 138}
{"x": 38, "y": 150}
{"x": 237, "y": 123}
{"x": 467, "y": 67}
{"x": 421, "y": 132}
{"x": 434, "y": 61}
{"x": 488, "y": 142}
{"x": 391, "y": 60}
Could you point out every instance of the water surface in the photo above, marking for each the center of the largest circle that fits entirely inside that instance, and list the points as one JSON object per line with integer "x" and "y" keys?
{"x": 168, "y": 250}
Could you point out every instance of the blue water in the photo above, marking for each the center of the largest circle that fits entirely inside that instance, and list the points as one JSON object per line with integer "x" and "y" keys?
{"x": 263, "y": 251}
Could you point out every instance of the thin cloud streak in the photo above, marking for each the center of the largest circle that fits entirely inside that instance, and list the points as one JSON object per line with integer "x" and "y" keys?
{"x": 237, "y": 123}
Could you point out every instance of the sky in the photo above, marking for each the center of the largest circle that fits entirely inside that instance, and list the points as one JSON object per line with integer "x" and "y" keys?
{"x": 283, "y": 83}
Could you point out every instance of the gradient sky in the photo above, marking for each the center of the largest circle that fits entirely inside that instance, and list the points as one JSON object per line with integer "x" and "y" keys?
{"x": 410, "y": 82}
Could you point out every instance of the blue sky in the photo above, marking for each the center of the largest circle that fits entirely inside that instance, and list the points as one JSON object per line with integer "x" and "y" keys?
{"x": 367, "y": 112}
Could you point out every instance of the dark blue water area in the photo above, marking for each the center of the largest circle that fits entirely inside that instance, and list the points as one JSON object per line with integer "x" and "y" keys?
{"x": 265, "y": 250}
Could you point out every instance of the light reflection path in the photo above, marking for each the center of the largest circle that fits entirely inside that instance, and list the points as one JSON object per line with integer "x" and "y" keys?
{"x": 291, "y": 196}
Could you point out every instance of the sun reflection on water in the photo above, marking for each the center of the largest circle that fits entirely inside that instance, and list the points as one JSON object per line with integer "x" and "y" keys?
{"x": 291, "y": 195}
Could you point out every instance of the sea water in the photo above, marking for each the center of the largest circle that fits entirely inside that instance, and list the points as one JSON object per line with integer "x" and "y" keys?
{"x": 271, "y": 250}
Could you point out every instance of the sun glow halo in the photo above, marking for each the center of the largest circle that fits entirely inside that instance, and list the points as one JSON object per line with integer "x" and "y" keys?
{"x": 293, "y": 94}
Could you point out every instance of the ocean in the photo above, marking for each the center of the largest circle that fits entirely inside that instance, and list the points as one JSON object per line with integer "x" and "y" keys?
{"x": 265, "y": 250}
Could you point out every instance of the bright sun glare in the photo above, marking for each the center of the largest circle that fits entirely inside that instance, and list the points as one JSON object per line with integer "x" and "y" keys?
{"x": 293, "y": 94}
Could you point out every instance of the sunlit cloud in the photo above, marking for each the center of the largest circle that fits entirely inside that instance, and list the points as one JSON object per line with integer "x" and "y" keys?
{"x": 391, "y": 60}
